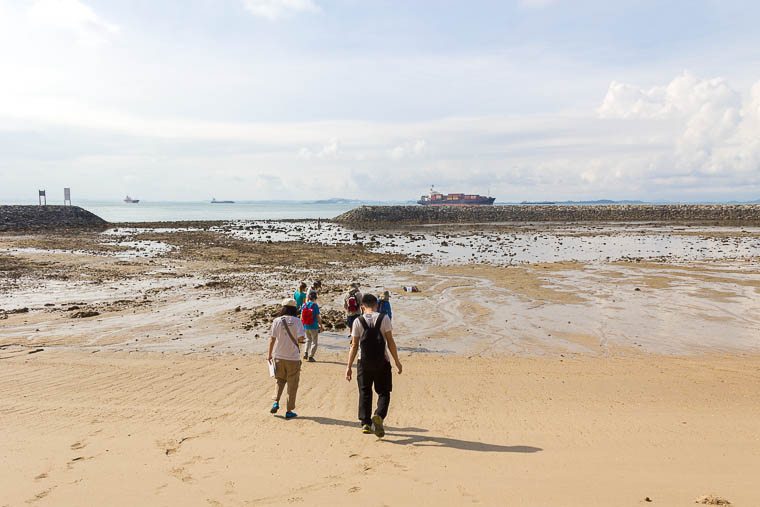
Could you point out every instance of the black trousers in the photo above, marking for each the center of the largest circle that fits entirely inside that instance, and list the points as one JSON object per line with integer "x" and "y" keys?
{"x": 377, "y": 374}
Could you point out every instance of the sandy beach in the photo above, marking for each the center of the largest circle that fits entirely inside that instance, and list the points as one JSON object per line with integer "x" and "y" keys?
{"x": 132, "y": 373}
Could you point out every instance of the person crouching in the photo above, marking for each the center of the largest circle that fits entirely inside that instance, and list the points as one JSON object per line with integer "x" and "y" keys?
{"x": 287, "y": 333}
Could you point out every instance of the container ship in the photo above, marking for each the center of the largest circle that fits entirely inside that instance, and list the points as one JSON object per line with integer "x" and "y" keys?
{"x": 129, "y": 200}
{"x": 438, "y": 199}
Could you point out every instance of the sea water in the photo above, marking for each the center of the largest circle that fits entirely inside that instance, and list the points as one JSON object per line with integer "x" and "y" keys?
{"x": 147, "y": 211}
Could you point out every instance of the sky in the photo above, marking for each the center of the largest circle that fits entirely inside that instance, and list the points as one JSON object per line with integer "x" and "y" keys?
{"x": 379, "y": 100}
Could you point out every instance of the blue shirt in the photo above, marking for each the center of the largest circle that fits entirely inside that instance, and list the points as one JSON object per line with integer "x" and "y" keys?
{"x": 315, "y": 324}
{"x": 384, "y": 307}
{"x": 299, "y": 297}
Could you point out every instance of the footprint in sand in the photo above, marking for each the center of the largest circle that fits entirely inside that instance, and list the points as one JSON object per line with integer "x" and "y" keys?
{"x": 77, "y": 445}
{"x": 40, "y": 495}
{"x": 181, "y": 474}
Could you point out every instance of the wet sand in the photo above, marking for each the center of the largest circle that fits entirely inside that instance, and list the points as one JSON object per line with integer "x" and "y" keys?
{"x": 131, "y": 372}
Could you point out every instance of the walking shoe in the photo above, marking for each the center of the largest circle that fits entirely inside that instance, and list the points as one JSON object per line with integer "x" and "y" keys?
{"x": 290, "y": 415}
{"x": 378, "y": 422}
{"x": 275, "y": 408}
{"x": 311, "y": 360}
{"x": 306, "y": 356}
{"x": 366, "y": 429}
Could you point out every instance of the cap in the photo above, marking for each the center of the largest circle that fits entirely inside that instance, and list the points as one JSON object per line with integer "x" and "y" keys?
{"x": 289, "y": 302}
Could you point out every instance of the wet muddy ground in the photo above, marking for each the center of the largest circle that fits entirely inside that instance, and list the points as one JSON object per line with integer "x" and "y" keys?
{"x": 501, "y": 288}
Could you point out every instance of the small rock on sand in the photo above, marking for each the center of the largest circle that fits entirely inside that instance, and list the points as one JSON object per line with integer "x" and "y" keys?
{"x": 712, "y": 500}
{"x": 84, "y": 314}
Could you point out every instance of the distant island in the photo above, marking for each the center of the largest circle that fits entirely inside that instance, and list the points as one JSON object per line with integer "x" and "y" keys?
{"x": 597, "y": 202}
{"x": 337, "y": 200}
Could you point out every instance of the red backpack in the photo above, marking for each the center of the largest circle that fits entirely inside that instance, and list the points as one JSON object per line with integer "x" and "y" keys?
{"x": 307, "y": 314}
{"x": 353, "y": 304}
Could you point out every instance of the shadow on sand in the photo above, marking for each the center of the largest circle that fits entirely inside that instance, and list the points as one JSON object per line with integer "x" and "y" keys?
{"x": 406, "y": 436}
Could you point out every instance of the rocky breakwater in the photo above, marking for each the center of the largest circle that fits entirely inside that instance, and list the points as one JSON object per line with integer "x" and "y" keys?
{"x": 676, "y": 213}
{"x": 45, "y": 218}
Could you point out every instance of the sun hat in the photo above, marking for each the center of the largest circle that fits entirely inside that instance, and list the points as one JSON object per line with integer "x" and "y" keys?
{"x": 354, "y": 285}
{"x": 289, "y": 302}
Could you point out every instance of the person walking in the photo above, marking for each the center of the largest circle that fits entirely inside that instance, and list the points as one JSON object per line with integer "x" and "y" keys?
{"x": 287, "y": 333}
{"x": 312, "y": 323}
{"x": 300, "y": 296}
{"x": 371, "y": 333}
{"x": 384, "y": 304}
{"x": 316, "y": 286}
{"x": 352, "y": 305}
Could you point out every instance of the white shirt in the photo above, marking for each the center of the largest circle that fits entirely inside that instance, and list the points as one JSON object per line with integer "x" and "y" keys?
{"x": 357, "y": 330}
{"x": 284, "y": 348}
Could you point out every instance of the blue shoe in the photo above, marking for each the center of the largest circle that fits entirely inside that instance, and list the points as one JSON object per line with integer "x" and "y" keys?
{"x": 274, "y": 408}
{"x": 290, "y": 415}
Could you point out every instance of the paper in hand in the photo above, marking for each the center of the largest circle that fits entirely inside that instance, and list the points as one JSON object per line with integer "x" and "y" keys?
{"x": 270, "y": 363}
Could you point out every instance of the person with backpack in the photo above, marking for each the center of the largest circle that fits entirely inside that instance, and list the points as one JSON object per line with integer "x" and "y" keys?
{"x": 287, "y": 335}
{"x": 312, "y": 323}
{"x": 352, "y": 304}
{"x": 384, "y": 304}
{"x": 300, "y": 296}
{"x": 370, "y": 335}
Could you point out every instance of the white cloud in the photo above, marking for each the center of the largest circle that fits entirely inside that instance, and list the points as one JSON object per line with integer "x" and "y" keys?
{"x": 329, "y": 150}
{"x": 274, "y": 9}
{"x": 409, "y": 149}
{"x": 534, "y": 3}
{"x": 683, "y": 96}
{"x": 716, "y": 132}
{"x": 71, "y": 17}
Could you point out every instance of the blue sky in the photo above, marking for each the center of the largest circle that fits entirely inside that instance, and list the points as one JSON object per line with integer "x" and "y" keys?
{"x": 300, "y": 99}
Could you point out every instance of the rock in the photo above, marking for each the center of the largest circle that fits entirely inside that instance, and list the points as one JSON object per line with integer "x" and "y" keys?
{"x": 84, "y": 314}
{"x": 704, "y": 213}
{"x": 712, "y": 500}
{"x": 41, "y": 218}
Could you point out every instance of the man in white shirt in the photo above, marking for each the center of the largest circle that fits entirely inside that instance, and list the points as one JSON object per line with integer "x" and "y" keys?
{"x": 370, "y": 334}
{"x": 287, "y": 333}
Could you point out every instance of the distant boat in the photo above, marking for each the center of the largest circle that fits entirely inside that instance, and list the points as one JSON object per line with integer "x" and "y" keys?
{"x": 439, "y": 199}
{"x": 214, "y": 201}
{"x": 129, "y": 200}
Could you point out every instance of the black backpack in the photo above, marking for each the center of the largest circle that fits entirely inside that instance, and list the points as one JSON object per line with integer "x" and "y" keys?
{"x": 372, "y": 341}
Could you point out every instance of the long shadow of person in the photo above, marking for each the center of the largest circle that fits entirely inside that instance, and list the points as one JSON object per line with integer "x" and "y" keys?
{"x": 454, "y": 443}
{"x": 351, "y": 424}
{"x": 407, "y": 436}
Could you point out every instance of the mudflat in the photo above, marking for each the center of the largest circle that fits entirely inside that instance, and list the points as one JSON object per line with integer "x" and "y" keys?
{"x": 132, "y": 372}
